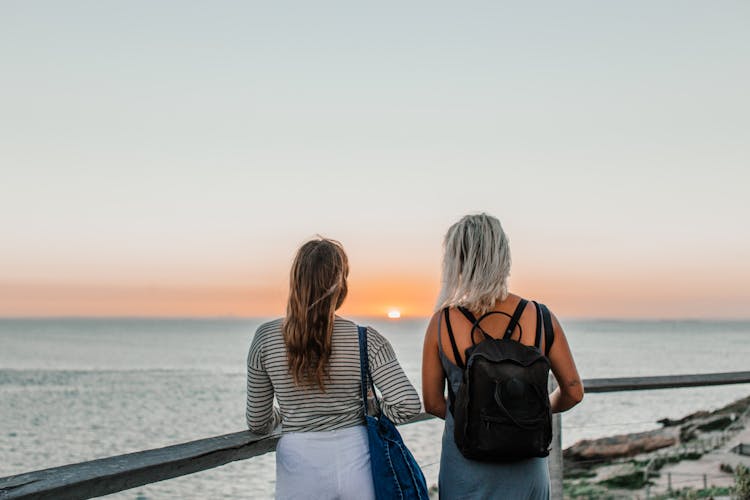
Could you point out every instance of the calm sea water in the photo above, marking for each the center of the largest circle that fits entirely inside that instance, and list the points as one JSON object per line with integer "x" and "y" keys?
{"x": 78, "y": 389}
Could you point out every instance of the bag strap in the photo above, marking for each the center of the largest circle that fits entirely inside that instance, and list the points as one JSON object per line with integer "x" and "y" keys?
{"x": 514, "y": 319}
{"x": 456, "y": 353}
{"x": 549, "y": 332}
{"x": 467, "y": 314}
{"x": 364, "y": 369}
{"x": 476, "y": 322}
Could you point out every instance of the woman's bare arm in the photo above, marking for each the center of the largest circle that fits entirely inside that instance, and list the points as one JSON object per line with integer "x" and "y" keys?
{"x": 570, "y": 387}
{"x": 433, "y": 378}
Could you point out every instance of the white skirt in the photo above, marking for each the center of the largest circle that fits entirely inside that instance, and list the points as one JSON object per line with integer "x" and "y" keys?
{"x": 324, "y": 465}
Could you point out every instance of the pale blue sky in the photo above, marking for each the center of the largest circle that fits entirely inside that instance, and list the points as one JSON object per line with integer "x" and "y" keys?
{"x": 198, "y": 143}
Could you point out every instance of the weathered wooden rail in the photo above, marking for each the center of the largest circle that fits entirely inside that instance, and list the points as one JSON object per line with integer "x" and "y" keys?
{"x": 112, "y": 474}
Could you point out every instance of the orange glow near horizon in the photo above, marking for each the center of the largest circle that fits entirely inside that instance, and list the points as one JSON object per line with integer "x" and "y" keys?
{"x": 366, "y": 298}
{"x": 413, "y": 296}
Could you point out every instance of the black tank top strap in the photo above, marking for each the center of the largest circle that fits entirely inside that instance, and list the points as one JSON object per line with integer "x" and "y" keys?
{"x": 456, "y": 354}
{"x": 538, "y": 336}
{"x": 549, "y": 332}
{"x": 514, "y": 319}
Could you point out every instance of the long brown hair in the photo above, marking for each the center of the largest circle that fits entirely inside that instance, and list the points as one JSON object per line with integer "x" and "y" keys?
{"x": 317, "y": 287}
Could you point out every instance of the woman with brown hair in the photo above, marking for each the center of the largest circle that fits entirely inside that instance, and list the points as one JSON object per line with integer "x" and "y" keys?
{"x": 309, "y": 361}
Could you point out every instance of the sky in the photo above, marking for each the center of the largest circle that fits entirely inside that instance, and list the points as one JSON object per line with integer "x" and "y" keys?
{"x": 168, "y": 158}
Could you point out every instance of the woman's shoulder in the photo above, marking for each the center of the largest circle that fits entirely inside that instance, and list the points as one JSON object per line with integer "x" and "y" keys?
{"x": 514, "y": 300}
{"x": 344, "y": 323}
{"x": 266, "y": 335}
{"x": 268, "y": 330}
{"x": 273, "y": 325}
{"x": 375, "y": 339}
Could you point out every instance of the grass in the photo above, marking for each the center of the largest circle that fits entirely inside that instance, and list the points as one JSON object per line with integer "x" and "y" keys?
{"x": 632, "y": 481}
{"x": 584, "y": 490}
{"x": 691, "y": 494}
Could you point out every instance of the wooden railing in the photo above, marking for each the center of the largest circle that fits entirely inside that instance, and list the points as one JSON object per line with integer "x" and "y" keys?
{"x": 122, "y": 472}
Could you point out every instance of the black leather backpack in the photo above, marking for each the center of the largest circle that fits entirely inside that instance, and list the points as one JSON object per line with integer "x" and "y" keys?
{"x": 502, "y": 410}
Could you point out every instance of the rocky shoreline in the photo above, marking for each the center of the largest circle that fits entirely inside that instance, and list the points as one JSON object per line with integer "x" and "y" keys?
{"x": 625, "y": 465}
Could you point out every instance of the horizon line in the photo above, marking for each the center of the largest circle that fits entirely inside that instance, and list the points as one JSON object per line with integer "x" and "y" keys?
{"x": 369, "y": 316}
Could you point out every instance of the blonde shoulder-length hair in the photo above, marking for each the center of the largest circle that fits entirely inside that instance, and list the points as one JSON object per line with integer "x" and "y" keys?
{"x": 317, "y": 288}
{"x": 476, "y": 264}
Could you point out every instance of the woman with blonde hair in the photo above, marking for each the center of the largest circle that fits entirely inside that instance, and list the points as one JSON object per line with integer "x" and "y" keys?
{"x": 309, "y": 360}
{"x": 476, "y": 312}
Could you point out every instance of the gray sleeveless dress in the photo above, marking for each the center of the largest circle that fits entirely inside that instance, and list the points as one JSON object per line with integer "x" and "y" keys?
{"x": 461, "y": 478}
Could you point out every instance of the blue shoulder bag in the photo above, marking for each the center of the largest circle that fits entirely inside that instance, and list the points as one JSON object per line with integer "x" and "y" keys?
{"x": 395, "y": 472}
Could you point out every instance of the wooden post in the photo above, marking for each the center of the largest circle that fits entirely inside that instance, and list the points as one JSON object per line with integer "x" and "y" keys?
{"x": 555, "y": 453}
{"x": 669, "y": 482}
{"x": 705, "y": 482}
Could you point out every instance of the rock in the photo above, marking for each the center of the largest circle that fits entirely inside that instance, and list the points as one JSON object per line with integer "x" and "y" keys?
{"x": 714, "y": 423}
{"x": 668, "y": 422}
{"x": 737, "y": 407}
{"x": 587, "y": 454}
{"x": 623, "y": 445}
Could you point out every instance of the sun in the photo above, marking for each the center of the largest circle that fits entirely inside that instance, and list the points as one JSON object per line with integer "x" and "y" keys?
{"x": 394, "y": 314}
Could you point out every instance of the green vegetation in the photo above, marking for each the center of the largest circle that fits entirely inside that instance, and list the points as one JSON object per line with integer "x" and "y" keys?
{"x": 580, "y": 474}
{"x": 632, "y": 481}
{"x": 673, "y": 459}
{"x": 741, "y": 488}
{"x": 691, "y": 494}
{"x": 660, "y": 462}
{"x": 584, "y": 490}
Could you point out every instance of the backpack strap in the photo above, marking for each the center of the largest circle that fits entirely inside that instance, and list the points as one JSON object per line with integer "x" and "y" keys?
{"x": 549, "y": 332}
{"x": 467, "y": 314}
{"x": 511, "y": 326}
{"x": 475, "y": 323}
{"x": 456, "y": 353}
{"x": 514, "y": 319}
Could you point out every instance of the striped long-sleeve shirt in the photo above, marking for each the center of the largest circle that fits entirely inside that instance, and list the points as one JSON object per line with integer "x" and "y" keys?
{"x": 306, "y": 409}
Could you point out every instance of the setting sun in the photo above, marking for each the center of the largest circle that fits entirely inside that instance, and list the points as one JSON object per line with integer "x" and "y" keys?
{"x": 394, "y": 314}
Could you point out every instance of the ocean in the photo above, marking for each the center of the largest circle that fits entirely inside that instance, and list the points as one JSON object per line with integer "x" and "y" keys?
{"x": 73, "y": 390}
